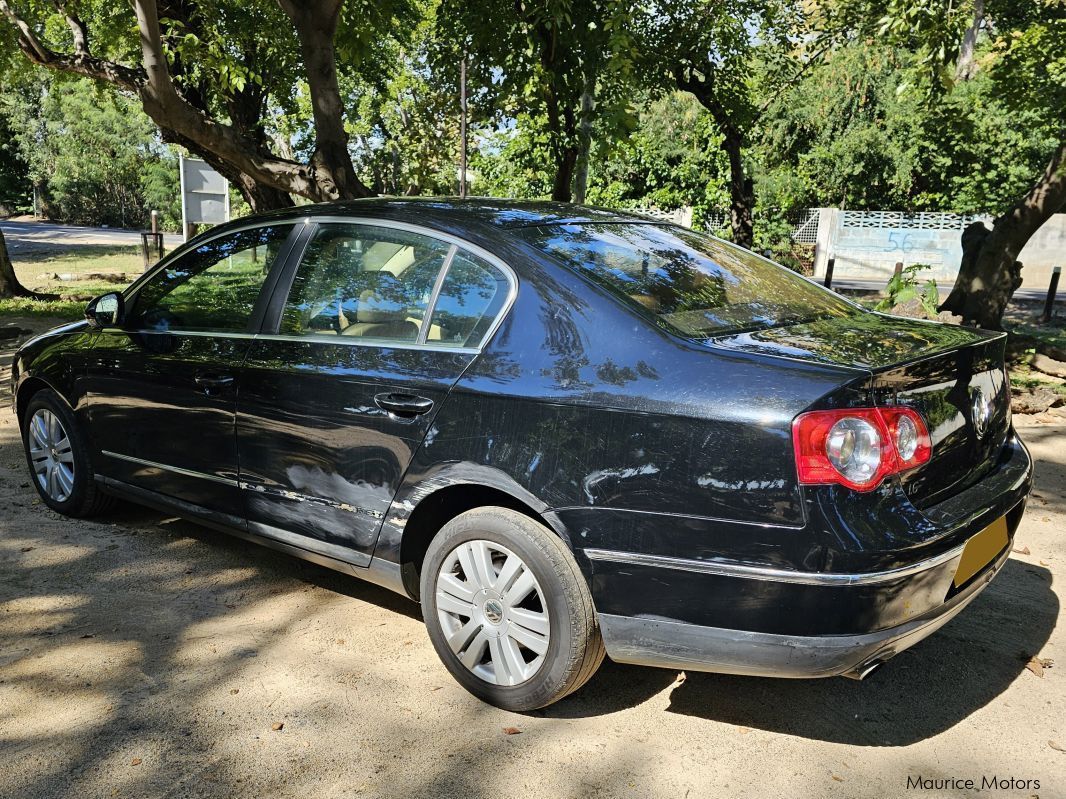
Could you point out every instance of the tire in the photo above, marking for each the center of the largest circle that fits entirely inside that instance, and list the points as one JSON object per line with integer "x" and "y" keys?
{"x": 71, "y": 489}
{"x": 498, "y": 627}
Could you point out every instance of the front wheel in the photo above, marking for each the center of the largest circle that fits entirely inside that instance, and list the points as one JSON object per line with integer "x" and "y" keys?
{"x": 508, "y": 611}
{"x": 58, "y": 457}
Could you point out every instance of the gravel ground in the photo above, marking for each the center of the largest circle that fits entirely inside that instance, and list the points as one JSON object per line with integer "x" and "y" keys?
{"x": 145, "y": 656}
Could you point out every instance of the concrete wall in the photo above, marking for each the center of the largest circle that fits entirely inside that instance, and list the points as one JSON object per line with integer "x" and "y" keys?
{"x": 867, "y": 245}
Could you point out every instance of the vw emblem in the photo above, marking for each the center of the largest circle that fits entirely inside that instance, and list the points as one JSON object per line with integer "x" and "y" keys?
{"x": 980, "y": 412}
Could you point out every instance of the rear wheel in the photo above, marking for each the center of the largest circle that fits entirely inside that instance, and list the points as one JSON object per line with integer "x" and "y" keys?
{"x": 508, "y": 611}
{"x": 58, "y": 457}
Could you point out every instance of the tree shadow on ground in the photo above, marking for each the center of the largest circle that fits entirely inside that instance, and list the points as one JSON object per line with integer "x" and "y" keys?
{"x": 918, "y": 694}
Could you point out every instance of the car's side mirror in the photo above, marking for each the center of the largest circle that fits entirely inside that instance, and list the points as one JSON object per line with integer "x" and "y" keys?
{"x": 105, "y": 311}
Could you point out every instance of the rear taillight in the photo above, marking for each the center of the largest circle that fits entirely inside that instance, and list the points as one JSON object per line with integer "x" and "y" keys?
{"x": 858, "y": 447}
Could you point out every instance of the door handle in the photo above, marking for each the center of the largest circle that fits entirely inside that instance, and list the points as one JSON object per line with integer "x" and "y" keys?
{"x": 407, "y": 405}
{"x": 211, "y": 381}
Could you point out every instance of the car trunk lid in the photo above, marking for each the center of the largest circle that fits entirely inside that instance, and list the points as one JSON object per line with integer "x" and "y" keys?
{"x": 953, "y": 376}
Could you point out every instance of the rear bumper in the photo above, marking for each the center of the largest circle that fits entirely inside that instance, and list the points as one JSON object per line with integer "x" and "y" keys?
{"x": 671, "y": 644}
{"x": 744, "y": 618}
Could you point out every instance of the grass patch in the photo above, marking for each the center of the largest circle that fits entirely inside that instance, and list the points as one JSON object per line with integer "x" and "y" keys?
{"x": 1047, "y": 339}
{"x": 86, "y": 258}
{"x": 71, "y": 310}
{"x": 1025, "y": 378}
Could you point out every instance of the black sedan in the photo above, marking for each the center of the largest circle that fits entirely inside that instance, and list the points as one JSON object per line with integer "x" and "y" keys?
{"x": 566, "y": 431}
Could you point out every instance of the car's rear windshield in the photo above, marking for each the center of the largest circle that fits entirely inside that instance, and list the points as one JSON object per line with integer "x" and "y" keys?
{"x": 693, "y": 284}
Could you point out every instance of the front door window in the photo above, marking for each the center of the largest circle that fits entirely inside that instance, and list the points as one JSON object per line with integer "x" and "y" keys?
{"x": 213, "y": 288}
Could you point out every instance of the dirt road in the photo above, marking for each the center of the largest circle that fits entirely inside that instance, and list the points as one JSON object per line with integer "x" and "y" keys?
{"x": 26, "y": 240}
{"x": 143, "y": 656}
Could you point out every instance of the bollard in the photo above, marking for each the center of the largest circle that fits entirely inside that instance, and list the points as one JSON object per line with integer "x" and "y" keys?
{"x": 898, "y": 270}
{"x": 146, "y": 250}
{"x": 829, "y": 272}
{"x": 1052, "y": 289}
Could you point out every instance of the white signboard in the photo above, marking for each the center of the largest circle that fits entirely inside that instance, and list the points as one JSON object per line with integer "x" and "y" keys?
{"x": 204, "y": 194}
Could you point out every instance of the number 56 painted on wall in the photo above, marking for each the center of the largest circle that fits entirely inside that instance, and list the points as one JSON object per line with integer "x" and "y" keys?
{"x": 899, "y": 240}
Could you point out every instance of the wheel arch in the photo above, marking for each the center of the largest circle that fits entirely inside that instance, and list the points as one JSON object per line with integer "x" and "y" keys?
{"x": 432, "y": 510}
{"x": 31, "y": 386}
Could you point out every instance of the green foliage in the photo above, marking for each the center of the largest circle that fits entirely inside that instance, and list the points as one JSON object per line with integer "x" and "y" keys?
{"x": 404, "y": 126}
{"x": 14, "y": 173}
{"x": 906, "y": 286}
{"x": 669, "y": 160}
{"x": 93, "y": 154}
{"x": 847, "y": 136}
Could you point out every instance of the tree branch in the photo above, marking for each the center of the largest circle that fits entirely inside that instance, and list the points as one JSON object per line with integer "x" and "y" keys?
{"x": 77, "y": 28}
{"x": 316, "y": 27}
{"x": 82, "y": 62}
{"x": 170, "y": 110}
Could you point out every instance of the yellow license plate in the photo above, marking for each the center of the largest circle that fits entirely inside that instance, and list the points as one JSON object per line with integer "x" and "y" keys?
{"x": 980, "y": 550}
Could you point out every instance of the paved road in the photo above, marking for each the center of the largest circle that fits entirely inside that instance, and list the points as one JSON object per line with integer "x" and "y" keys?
{"x": 24, "y": 238}
{"x": 1024, "y": 293}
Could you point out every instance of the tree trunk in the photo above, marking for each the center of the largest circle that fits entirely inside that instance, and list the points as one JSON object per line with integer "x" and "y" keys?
{"x": 990, "y": 271}
{"x": 9, "y": 282}
{"x": 261, "y": 197}
{"x": 966, "y": 65}
{"x": 316, "y": 26}
{"x": 584, "y": 142}
{"x": 741, "y": 193}
{"x": 741, "y": 187}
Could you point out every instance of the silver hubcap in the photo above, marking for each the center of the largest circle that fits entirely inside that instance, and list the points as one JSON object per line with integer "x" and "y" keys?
{"x": 51, "y": 455}
{"x": 492, "y": 612}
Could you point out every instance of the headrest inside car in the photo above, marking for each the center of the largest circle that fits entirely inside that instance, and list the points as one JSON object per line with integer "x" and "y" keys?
{"x": 374, "y": 308}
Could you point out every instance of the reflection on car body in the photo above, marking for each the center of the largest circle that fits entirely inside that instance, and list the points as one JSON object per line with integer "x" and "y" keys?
{"x": 566, "y": 431}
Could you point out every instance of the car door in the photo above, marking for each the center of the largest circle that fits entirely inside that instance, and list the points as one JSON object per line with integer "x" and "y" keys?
{"x": 162, "y": 388}
{"x": 366, "y": 336}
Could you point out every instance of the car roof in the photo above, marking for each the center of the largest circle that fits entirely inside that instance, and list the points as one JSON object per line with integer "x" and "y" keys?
{"x": 487, "y": 213}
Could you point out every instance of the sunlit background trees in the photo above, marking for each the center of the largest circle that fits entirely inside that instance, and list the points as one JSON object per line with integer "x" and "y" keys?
{"x": 748, "y": 108}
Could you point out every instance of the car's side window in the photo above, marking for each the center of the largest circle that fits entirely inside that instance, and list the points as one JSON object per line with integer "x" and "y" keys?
{"x": 213, "y": 288}
{"x": 471, "y": 297}
{"x": 364, "y": 282}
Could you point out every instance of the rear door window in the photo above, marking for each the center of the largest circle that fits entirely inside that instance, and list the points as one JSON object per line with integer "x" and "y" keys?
{"x": 471, "y": 297}
{"x": 364, "y": 282}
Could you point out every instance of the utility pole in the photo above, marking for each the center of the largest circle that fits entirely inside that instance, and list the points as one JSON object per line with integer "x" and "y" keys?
{"x": 462, "y": 127}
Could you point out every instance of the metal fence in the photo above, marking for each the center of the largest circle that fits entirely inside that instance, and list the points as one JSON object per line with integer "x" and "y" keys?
{"x": 900, "y": 220}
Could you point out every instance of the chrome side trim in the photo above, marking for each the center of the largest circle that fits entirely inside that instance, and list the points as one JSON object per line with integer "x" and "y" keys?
{"x": 343, "y": 341}
{"x": 747, "y": 572}
{"x": 284, "y": 493}
{"x": 176, "y": 469}
{"x": 381, "y": 572}
{"x": 316, "y": 338}
{"x": 200, "y": 333}
{"x": 306, "y": 542}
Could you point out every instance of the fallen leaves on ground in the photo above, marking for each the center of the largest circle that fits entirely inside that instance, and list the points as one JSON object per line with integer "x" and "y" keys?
{"x": 135, "y": 762}
{"x": 1056, "y": 746}
{"x": 277, "y": 725}
{"x": 511, "y": 731}
{"x": 1022, "y": 551}
{"x": 1037, "y": 665}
